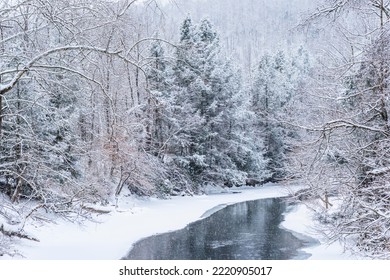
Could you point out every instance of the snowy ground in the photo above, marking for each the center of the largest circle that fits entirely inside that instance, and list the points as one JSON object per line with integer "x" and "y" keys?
{"x": 134, "y": 219}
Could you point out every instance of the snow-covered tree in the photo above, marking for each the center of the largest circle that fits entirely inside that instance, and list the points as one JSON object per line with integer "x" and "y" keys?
{"x": 52, "y": 80}
{"x": 351, "y": 152}
{"x": 200, "y": 100}
{"x": 275, "y": 85}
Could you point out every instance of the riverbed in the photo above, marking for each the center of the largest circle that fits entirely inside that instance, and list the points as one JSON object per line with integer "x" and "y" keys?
{"x": 247, "y": 230}
{"x": 136, "y": 218}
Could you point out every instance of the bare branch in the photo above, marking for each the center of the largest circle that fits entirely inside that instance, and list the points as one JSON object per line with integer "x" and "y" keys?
{"x": 4, "y": 88}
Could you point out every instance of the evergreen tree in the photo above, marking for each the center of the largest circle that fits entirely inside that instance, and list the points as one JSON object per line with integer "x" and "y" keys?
{"x": 209, "y": 145}
{"x": 277, "y": 83}
{"x": 198, "y": 105}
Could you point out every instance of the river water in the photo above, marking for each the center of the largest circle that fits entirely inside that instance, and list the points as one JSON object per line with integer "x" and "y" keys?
{"x": 243, "y": 231}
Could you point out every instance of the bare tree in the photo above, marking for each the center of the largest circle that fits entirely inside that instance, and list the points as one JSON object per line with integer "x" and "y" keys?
{"x": 57, "y": 57}
{"x": 351, "y": 139}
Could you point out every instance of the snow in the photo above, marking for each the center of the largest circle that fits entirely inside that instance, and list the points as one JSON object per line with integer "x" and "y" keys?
{"x": 136, "y": 218}
{"x": 299, "y": 219}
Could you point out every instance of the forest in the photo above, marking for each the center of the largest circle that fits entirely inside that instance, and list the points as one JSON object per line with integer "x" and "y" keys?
{"x": 165, "y": 98}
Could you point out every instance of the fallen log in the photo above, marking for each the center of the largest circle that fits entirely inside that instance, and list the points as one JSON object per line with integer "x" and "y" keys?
{"x": 18, "y": 234}
{"x": 95, "y": 209}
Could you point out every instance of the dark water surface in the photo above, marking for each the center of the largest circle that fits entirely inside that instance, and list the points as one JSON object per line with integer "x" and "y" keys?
{"x": 243, "y": 231}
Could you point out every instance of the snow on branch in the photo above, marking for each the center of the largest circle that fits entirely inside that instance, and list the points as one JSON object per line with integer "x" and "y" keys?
{"x": 379, "y": 171}
{"x": 335, "y": 124}
{"x": 326, "y": 11}
{"x": 349, "y": 124}
{"x": 4, "y": 88}
{"x": 19, "y": 234}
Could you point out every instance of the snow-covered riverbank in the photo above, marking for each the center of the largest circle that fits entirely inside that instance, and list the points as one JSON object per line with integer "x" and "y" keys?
{"x": 112, "y": 237}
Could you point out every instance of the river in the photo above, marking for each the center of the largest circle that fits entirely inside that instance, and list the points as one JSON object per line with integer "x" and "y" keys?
{"x": 243, "y": 231}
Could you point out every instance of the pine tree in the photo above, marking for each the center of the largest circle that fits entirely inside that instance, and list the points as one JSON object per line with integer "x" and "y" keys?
{"x": 278, "y": 80}
{"x": 205, "y": 95}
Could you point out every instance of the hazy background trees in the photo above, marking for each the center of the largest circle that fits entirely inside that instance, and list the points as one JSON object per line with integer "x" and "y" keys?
{"x": 248, "y": 28}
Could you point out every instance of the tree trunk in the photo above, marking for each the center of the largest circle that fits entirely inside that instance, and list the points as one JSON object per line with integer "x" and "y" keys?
{"x": 1, "y": 115}
{"x": 382, "y": 70}
{"x": 1, "y": 96}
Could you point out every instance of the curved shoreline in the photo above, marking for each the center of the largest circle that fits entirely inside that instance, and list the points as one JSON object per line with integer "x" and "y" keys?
{"x": 149, "y": 248}
{"x": 113, "y": 235}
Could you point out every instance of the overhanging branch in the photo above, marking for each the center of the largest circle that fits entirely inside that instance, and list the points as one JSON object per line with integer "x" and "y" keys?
{"x": 6, "y": 87}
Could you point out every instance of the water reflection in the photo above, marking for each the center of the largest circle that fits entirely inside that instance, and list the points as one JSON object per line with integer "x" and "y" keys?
{"x": 248, "y": 230}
